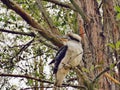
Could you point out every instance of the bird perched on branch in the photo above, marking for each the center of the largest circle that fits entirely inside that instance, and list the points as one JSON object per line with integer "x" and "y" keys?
{"x": 69, "y": 56}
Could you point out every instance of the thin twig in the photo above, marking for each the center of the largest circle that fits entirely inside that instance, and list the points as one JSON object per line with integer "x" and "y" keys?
{"x": 21, "y": 50}
{"x": 25, "y": 76}
{"x": 101, "y": 73}
{"x": 34, "y": 88}
{"x": 16, "y": 32}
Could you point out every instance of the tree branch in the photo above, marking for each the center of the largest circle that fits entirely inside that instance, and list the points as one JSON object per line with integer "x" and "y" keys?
{"x": 35, "y": 87}
{"x": 104, "y": 71}
{"x": 31, "y": 34}
{"x": 111, "y": 78}
{"x": 25, "y": 76}
{"x": 49, "y": 36}
{"x": 10, "y": 62}
{"x": 19, "y": 33}
{"x": 100, "y": 74}
{"x": 61, "y": 4}
{"x": 44, "y": 13}
{"x": 40, "y": 80}
{"x": 84, "y": 17}
{"x": 47, "y": 18}
{"x": 12, "y": 5}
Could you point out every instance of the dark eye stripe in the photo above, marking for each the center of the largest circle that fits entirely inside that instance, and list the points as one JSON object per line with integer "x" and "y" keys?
{"x": 74, "y": 38}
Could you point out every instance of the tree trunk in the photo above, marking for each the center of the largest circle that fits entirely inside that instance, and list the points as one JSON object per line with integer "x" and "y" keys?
{"x": 97, "y": 33}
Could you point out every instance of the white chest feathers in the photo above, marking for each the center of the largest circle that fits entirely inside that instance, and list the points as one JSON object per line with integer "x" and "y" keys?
{"x": 73, "y": 55}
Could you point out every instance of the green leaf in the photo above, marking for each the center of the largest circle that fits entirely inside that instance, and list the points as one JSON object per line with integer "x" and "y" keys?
{"x": 36, "y": 74}
{"x": 111, "y": 45}
{"x": 30, "y": 82}
{"x": 1, "y": 19}
{"x": 117, "y": 45}
{"x": 6, "y": 18}
{"x": 64, "y": 23}
{"x": 13, "y": 17}
{"x": 92, "y": 68}
{"x": 118, "y": 16}
{"x": 85, "y": 69}
{"x": 112, "y": 66}
{"x": 117, "y": 8}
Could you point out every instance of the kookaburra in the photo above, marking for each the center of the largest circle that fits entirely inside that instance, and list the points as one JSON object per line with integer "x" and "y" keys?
{"x": 69, "y": 56}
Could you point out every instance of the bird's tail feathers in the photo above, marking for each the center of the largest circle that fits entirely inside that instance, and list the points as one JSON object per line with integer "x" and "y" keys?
{"x": 60, "y": 75}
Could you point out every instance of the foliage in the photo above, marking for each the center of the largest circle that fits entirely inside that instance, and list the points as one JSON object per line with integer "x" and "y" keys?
{"x": 117, "y": 8}
{"x": 115, "y": 46}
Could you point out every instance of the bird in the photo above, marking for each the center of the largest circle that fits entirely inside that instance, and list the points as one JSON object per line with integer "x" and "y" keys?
{"x": 67, "y": 57}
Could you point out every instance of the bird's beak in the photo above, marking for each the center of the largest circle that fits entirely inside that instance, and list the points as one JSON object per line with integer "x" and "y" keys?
{"x": 64, "y": 38}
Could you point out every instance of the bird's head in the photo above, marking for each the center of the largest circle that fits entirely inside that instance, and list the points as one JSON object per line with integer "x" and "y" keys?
{"x": 70, "y": 36}
{"x": 74, "y": 37}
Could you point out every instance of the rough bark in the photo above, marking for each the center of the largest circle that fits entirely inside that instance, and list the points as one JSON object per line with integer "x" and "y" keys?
{"x": 111, "y": 31}
{"x": 97, "y": 33}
